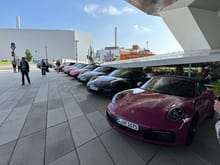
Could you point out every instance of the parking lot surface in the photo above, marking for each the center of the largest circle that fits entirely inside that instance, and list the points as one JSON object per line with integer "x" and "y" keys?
{"x": 55, "y": 121}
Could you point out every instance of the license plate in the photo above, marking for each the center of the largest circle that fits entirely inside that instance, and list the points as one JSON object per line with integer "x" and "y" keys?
{"x": 127, "y": 124}
{"x": 93, "y": 88}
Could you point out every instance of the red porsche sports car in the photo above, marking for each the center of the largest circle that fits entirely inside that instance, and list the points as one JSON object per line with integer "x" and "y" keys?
{"x": 164, "y": 110}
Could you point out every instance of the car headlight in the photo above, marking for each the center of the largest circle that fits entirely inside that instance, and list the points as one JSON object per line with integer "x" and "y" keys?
{"x": 175, "y": 114}
{"x": 118, "y": 96}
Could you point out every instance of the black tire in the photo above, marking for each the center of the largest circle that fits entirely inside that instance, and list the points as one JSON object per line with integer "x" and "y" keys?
{"x": 192, "y": 130}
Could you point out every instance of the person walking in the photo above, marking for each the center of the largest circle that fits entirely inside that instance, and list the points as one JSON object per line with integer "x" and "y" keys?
{"x": 58, "y": 66}
{"x": 47, "y": 65}
{"x": 43, "y": 67}
{"x": 207, "y": 76}
{"x": 24, "y": 66}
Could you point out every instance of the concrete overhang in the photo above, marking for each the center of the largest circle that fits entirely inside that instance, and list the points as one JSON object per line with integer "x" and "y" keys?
{"x": 194, "y": 23}
{"x": 177, "y": 58}
{"x": 154, "y": 7}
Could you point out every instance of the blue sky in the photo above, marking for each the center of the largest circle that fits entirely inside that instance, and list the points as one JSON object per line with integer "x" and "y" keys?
{"x": 96, "y": 17}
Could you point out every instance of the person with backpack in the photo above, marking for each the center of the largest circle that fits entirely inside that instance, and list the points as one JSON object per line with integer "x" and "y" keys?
{"x": 43, "y": 67}
{"x": 24, "y": 67}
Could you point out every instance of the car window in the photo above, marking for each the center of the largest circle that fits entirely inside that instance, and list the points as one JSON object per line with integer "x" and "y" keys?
{"x": 171, "y": 86}
{"x": 138, "y": 75}
{"x": 120, "y": 73}
{"x": 89, "y": 66}
{"x": 81, "y": 65}
{"x": 102, "y": 69}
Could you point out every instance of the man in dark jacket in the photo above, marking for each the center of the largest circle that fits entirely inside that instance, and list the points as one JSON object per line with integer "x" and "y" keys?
{"x": 43, "y": 67}
{"x": 24, "y": 66}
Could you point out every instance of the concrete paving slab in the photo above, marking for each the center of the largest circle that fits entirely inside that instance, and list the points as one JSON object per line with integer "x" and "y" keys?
{"x": 18, "y": 94}
{"x": 36, "y": 119}
{"x": 5, "y": 95}
{"x": 120, "y": 151}
{"x": 81, "y": 130}
{"x": 145, "y": 150}
{"x": 99, "y": 122}
{"x": 29, "y": 150}
{"x": 42, "y": 93}
{"x": 10, "y": 130}
{"x": 8, "y": 105}
{"x": 68, "y": 159}
{"x": 55, "y": 117}
{"x": 87, "y": 107}
{"x": 87, "y": 155}
{"x": 55, "y": 103}
{"x": 161, "y": 157}
{"x": 28, "y": 98}
{"x": 53, "y": 91}
{"x": 3, "y": 116}
{"x": 6, "y": 152}
{"x": 182, "y": 155}
{"x": 19, "y": 113}
{"x": 65, "y": 93}
{"x": 59, "y": 142}
{"x": 67, "y": 99}
{"x": 72, "y": 110}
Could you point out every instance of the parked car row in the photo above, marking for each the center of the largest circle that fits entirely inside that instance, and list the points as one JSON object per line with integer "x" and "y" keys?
{"x": 105, "y": 80}
{"x": 164, "y": 110}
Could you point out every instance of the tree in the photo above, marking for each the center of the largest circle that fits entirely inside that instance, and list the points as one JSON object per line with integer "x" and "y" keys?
{"x": 28, "y": 55}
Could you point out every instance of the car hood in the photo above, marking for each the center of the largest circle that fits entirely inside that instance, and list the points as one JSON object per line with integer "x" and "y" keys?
{"x": 147, "y": 107}
{"x": 105, "y": 80}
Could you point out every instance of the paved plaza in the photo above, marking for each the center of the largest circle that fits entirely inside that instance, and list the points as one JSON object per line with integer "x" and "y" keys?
{"x": 55, "y": 121}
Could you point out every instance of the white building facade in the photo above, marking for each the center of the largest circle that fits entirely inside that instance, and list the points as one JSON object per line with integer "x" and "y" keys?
{"x": 45, "y": 44}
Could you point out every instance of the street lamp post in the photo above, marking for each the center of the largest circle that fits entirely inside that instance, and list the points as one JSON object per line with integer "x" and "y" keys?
{"x": 147, "y": 45}
{"x": 76, "y": 41}
{"x": 46, "y": 51}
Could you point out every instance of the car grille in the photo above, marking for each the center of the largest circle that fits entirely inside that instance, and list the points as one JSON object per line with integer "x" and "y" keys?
{"x": 150, "y": 134}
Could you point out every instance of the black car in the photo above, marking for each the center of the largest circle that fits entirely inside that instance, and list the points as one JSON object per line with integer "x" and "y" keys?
{"x": 116, "y": 81}
{"x": 99, "y": 71}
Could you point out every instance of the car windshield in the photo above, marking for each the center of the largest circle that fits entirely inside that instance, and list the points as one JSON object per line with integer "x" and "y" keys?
{"x": 101, "y": 69}
{"x": 74, "y": 65}
{"x": 171, "y": 86}
{"x": 89, "y": 67}
{"x": 123, "y": 73}
{"x": 80, "y": 65}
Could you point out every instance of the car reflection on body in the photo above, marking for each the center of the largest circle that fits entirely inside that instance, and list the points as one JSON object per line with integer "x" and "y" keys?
{"x": 99, "y": 71}
{"x": 164, "y": 110}
{"x": 73, "y": 67}
{"x": 118, "y": 80}
{"x": 76, "y": 72}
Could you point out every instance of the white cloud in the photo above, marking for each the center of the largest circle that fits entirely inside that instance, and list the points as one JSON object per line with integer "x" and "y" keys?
{"x": 94, "y": 10}
{"x": 91, "y": 9}
{"x": 139, "y": 28}
{"x": 110, "y": 10}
